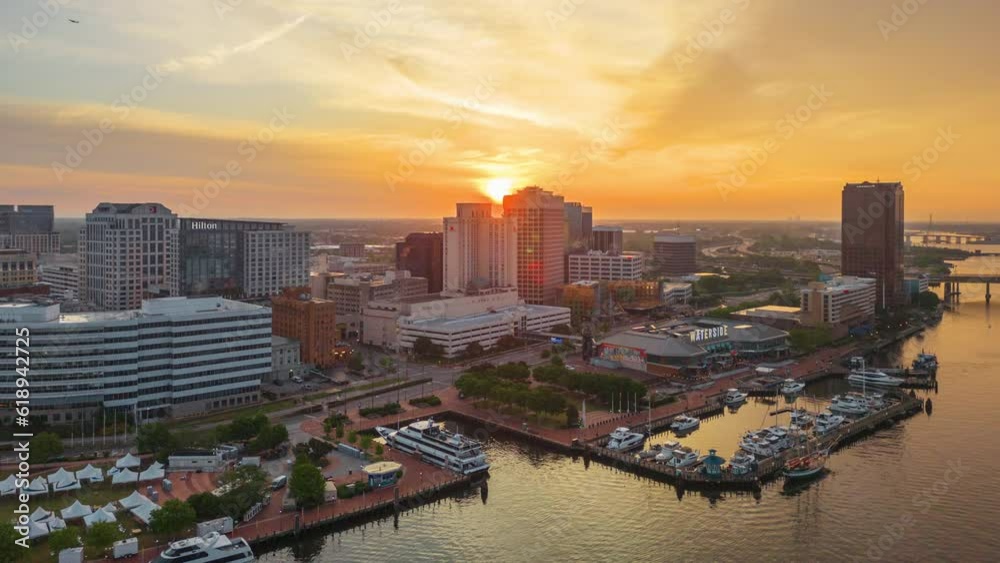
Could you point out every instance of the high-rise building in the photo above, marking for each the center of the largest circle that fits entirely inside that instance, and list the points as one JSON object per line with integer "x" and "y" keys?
{"x": 872, "y": 238}
{"x": 541, "y": 243}
{"x": 213, "y": 254}
{"x": 587, "y": 223}
{"x": 674, "y": 255}
{"x": 573, "y": 211}
{"x": 61, "y": 272}
{"x": 607, "y": 239}
{"x": 128, "y": 253}
{"x": 17, "y": 269}
{"x": 480, "y": 249}
{"x": 605, "y": 266}
{"x": 172, "y": 357}
{"x": 352, "y": 293}
{"x": 423, "y": 255}
{"x": 313, "y": 322}
{"x": 352, "y": 249}
{"x": 29, "y": 228}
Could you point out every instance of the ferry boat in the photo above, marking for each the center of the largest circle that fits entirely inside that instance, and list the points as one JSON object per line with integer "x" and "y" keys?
{"x": 806, "y": 466}
{"x": 684, "y": 457}
{"x": 801, "y": 418}
{"x": 437, "y": 446}
{"x": 849, "y": 404}
{"x": 734, "y": 397}
{"x": 684, "y": 423}
{"x": 742, "y": 463}
{"x": 828, "y": 421}
{"x": 623, "y": 440}
{"x": 873, "y": 377}
{"x": 791, "y": 387}
{"x": 211, "y": 548}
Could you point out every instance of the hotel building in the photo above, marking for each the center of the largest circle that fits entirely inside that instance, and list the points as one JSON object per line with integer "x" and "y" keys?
{"x": 674, "y": 255}
{"x": 480, "y": 250}
{"x": 845, "y": 300}
{"x": 541, "y": 243}
{"x": 872, "y": 238}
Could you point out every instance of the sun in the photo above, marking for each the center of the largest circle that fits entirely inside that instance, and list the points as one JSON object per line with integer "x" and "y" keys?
{"x": 496, "y": 188}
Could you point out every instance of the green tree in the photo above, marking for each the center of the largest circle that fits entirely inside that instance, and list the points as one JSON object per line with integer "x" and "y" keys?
{"x": 561, "y": 329}
{"x": 152, "y": 437}
{"x": 928, "y": 300}
{"x": 101, "y": 535}
{"x": 352, "y": 436}
{"x": 10, "y": 551}
{"x": 45, "y": 446}
{"x": 379, "y": 449}
{"x": 63, "y": 539}
{"x": 340, "y": 430}
{"x": 206, "y": 505}
{"x": 425, "y": 348}
{"x": 473, "y": 350}
{"x": 173, "y": 517}
{"x": 307, "y": 484}
{"x": 356, "y": 362}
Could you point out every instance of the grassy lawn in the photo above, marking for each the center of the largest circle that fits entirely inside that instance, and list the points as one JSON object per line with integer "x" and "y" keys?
{"x": 553, "y": 421}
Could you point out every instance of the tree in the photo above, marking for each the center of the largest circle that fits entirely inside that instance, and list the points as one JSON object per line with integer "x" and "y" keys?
{"x": 10, "y": 551}
{"x": 425, "y": 348}
{"x": 173, "y": 517}
{"x": 356, "y": 362}
{"x": 307, "y": 484}
{"x": 63, "y": 539}
{"x": 45, "y": 446}
{"x": 101, "y": 535}
{"x": 473, "y": 350}
{"x": 340, "y": 430}
{"x": 152, "y": 436}
{"x": 572, "y": 415}
{"x": 206, "y": 505}
{"x": 928, "y": 300}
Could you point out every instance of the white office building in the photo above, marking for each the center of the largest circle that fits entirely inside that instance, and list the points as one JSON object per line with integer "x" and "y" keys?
{"x": 274, "y": 260}
{"x": 605, "y": 266}
{"x": 173, "y": 357}
{"x": 842, "y": 300}
{"x": 61, "y": 272}
{"x": 128, "y": 252}
{"x": 34, "y": 243}
{"x": 480, "y": 250}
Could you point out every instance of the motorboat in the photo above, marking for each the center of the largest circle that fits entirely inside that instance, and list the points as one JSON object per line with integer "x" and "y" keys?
{"x": 801, "y": 418}
{"x": 873, "y": 377}
{"x": 213, "y": 547}
{"x": 438, "y": 446}
{"x": 667, "y": 451}
{"x": 735, "y": 397}
{"x": 757, "y": 444}
{"x": 791, "y": 387}
{"x": 684, "y": 457}
{"x": 925, "y": 361}
{"x": 827, "y": 421}
{"x": 742, "y": 463}
{"x": 654, "y": 451}
{"x": 623, "y": 440}
{"x": 850, "y": 404}
{"x": 684, "y": 423}
{"x": 806, "y": 466}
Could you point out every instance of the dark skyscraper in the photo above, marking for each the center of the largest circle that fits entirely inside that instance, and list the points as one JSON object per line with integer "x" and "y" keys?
{"x": 26, "y": 219}
{"x": 423, "y": 255}
{"x": 607, "y": 239}
{"x": 872, "y": 237}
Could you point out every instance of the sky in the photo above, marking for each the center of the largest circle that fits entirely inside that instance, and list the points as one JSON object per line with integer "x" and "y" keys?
{"x": 660, "y": 109}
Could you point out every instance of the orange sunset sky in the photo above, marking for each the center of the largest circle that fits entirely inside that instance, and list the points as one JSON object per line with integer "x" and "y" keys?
{"x": 715, "y": 109}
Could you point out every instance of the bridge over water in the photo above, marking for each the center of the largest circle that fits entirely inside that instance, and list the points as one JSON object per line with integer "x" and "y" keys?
{"x": 953, "y": 283}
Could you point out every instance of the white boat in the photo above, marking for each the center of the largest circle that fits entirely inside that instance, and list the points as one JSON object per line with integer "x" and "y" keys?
{"x": 623, "y": 440}
{"x": 873, "y": 377}
{"x": 735, "y": 397}
{"x": 742, "y": 463}
{"x": 849, "y": 404}
{"x": 684, "y": 423}
{"x": 757, "y": 444}
{"x": 827, "y": 421}
{"x": 791, "y": 387}
{"x": 801, "y": 418}
{"x": 684, "y": 457}
{"x": 211, "y": 548}
{"x": 437, "y": 446}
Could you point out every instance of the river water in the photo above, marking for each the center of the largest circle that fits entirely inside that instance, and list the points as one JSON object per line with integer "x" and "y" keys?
{"x": 924, "y": 490}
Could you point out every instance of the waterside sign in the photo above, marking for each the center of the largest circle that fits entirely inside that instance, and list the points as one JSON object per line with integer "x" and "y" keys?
{"x": 703, "y": 334}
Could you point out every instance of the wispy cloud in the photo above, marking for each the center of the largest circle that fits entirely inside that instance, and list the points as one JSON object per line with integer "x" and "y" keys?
{"x": 220, "y": 54}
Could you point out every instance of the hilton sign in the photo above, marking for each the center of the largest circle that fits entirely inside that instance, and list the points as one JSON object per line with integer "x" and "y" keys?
{"x": 701, "y": 334}
{"x": 204, "y": 226}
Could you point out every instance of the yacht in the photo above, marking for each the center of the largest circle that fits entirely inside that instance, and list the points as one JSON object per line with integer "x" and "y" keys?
{"x": 757, "y": 444}
{"x": 801, "y": 418}
{"x": 684, "y": 457}
{"x": 623, "y": 440}
{"x": 742, "y": 463}
{"x": 654, "y": 452}
{"x": 873, "y": 377}
{"x": 735, "y": 397}
{"x": 437, "y": 446}
{"x": 791, "y": 387}
{"x": 849, "y": 404}
{"x": 684, "y": 423}
{"x": 827, "y": 421}
{"x": 212, "y": 548}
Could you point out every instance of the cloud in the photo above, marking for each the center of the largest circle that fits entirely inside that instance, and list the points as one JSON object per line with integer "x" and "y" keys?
{"x": 221, "y": 54}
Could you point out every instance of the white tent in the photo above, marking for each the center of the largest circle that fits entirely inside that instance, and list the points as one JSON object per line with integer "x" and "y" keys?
{"x": 70, "y": 484}
{"x": 128, "y": 462}
{"x": 40, "y": 515}
{"x": 153, "y": 473}
{"x": 124, "y": 476}
{"x": 97, "y": 517}
{"x": 8, "y": 486}
{"x": 90, "y": 474}
{"x": 75, "y": 510}
{"x": 111, "y": 507}
{"x": 37, "y": 487}
{"x": 133, "y": 500}
{"x": 144, "y": 512}
{"x": 60, "y": 476}
{"x": 36, "y": 530}
{"x": 56, "y": 524}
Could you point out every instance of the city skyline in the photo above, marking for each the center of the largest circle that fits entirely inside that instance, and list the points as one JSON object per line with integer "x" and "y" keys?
{"x": 673, "y": 111}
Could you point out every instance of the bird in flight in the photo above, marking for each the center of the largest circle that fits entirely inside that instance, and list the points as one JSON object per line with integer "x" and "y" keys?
{"x": 74, "y": 21}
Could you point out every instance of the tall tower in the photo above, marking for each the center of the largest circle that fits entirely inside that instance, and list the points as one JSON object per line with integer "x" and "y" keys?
{"x": 422, "y": 255}
{"x": 541, "y": 243}
{"x": 872, "y": 237}
{"x": 480, "y": 250}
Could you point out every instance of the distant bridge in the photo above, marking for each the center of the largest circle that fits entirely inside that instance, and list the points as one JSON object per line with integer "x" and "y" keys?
{"x": 930, "y": 237}
{"x": 953, "y": 283}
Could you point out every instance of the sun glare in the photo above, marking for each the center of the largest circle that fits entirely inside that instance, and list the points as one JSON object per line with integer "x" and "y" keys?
{"x": 496, "y": 188}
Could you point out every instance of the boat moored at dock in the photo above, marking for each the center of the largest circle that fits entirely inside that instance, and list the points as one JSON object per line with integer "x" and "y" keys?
{"x": 873, "y": 377}
{"x": 623, "y": 440}
{"x": 735, "y": 397}
{"x": 791, "y": 387}
{"x": 437, "y": 446}
{"x": 684, "y": 423}
{"x": 211, "y": 548}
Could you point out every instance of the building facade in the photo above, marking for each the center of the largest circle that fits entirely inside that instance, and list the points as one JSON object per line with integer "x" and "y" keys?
{"x": 872, "y": 237}
{"x": 675, "y": 255}
{"x": 313, "y": 322}
{"x": 27, "y": 219}
{"x": 598, "y": 266}
{"x": 173, "y": 357}
{"x": 607, "y": 239}
{"x": 422, "y": 254}
{"x": 351, "y": 294}
{"x": 352, "y": 249}
{"x": 286, "y": 359}
{"x": 273, "y": 261}
{"x": 480, "y": 250}
{"x": 541, "y": 243}
{"x": 18, "y": 268}
{"x": 61, "y": 272}
{"x": 845, "y": 300}
{"x": 35, "y": 243}
{"x": 128, "y": 253}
